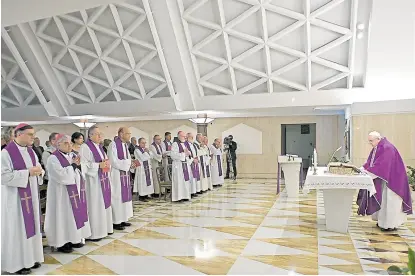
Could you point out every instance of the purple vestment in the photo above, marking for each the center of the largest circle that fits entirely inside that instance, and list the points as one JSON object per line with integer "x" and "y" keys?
{"x": 103, "y": 176}
{"x": 385, "y": 162}
{"x": 158, "y": 148}
{"x": 125, "y": 178}
{"x": 25, "y": 194}
{"x": 184, "y": 164}
{"x": 146, "y": 168}
{"x": 78, "y": 209}
{"x": 194, "y": 167}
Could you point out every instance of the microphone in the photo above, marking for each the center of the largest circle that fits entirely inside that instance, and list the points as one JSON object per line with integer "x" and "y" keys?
{"x": 331, "y": 158}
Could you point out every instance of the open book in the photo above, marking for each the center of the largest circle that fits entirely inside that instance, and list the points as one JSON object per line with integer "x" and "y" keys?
{"x": 343, "y": 168}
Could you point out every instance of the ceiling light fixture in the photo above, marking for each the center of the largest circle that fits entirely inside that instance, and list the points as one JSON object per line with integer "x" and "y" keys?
{"x": 360, "y": 35}
{"x": 201, "y": 119}
{"x": 360, "y": 26}
{"x": 84, "y": 124}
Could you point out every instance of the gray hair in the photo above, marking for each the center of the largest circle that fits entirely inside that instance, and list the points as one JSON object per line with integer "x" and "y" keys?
{"x": 64, "y": 138}
{"x": 376, "y": 135}
{"x": 141, "y": 139}
{"x": 91, "y": 130}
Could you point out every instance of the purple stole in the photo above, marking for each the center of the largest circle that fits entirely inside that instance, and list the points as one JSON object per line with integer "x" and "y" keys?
{"x": 78, "y": 208}
{"x": 207, "y": 166}
{"x": 159, "y": 149}
{"x": 25, "y": 194}
{"x": 184, "y": 164}
{"x": 166, "y": 144}
{"x": 203, "y": 166}
{"x": 193, "y": 166}
{"x": 219, "y": 163}
{"x": 125, "y": 178}
{"x": 103, "y": 176}
{"x": 146, "y": 168}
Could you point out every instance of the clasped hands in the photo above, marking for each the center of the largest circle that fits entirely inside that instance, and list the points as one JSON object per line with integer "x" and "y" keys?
{"x": 104, "y": 164}
{"x": 35, "y": 171}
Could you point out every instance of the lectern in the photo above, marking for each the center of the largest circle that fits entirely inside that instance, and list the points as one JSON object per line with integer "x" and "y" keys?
{"x": 292, "y": 166}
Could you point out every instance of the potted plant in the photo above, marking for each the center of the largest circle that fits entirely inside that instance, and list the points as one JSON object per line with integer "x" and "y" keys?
{"x": 411, "y": 179}
{"x": 410, "y": 270}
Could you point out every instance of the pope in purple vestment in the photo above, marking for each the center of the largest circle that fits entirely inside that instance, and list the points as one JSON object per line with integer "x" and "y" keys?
{"x": 392, "y": 201}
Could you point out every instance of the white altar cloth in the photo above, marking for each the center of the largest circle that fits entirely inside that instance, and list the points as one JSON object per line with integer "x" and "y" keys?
{"x": 338, "y": 192}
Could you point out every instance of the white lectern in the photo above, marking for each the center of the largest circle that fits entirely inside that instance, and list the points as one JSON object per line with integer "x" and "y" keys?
{"x": 292, "y": 167}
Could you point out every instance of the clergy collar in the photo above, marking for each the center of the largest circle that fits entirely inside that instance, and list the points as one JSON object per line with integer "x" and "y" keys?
{"x": 19, "y": 144}
{"x": 63, "y": 152}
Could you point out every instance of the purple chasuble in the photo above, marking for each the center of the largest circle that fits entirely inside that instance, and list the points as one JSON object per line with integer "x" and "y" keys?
{"x": 184, "y": 164}
{"x": 25, "y": 194}
{"x": 385, "y": 162}
{"x": 125, "y": 178}
{"x": 103, "y": 176}
{"x": 218, "y": 159}
{"x": 78, "y": 209}
{"x": 146, "y": 168}
{"x": 193, "y": 166}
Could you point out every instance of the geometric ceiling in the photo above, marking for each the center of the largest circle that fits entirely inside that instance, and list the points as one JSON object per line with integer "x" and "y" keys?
{"x": 139, "y": 56}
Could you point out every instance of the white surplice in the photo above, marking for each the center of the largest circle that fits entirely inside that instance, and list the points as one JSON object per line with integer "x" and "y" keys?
{"x": 17, "y": 251}
{"x": 140, "y": 183}
{"x": 156, "y": 160}
{"x": 100, "y": 219}
{"x": 196, "y": 186}
{"x": 216, "y": 178}
{"x": 205, "y": 181}
{"x": 121, "y": 211}
{"x": 180, "y": 187}
{"x": 390, "y": 214}
{"x": 60, "y": 225}
{"x": 165, "y": 160}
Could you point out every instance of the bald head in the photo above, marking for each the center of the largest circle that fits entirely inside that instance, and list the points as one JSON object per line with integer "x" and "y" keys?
{"x": 181, "y": 136}
{"x": 374, "y": 138}
{"x": 124, "y": 134}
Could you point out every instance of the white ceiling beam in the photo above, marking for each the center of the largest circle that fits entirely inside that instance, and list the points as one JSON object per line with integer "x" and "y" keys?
{"x": 131, "y": 7}
{"x": 249, "y": 70}
{"x": 227, "y": 46}
{"x": 331, "y": 45}
{"x": 22, "y": 64}
{"x": 330, "y": 26}
{"x": 327, "y": 7}
{"x": 71, "y": 19}
{"x": 159, "y": 47}
{"x": 329, "y": 81}
{"x": 155, "y": 90}
{"x": 267, "y": 57}
{"x": 29, "y": 99}
{"x": 248, "y": 53}
{"x": 285, "y": 12}
{"x": 352, "y": 43}
{"x": 117, "y": 19}
{"x": 194, "y": 6}
{"x": 16, "y": 94}
{"x": 79, "y": 96}
{"x": 128, "y": 92}
{"x": 20, "y": 85}
{"x": 103, "y": 95}
{"x": 10, "y": 101}
{"x": 130, "y": 29}
{"x": 213, "y": 73}
{"x": 287, "y": 30}
{"x": 286, "y": 50}
{"x": 330, "y": 64}
{"x": 241, "y": 17}
{"x": 140, "y": 85}
{"x": 203, "y": 23}
{"x": 247, "y": 37}
{"x": 210, "y": 57}
{"x": 289, "y": 66}
{"x": 252, "y": 85}
{"x": 216, "y": 87}
{"x": 61, "y": 29}
{"x": 89, "y": 89}
{"x": 307, "y": 33}
{"x": 289, "y": 83}
{"x": 207, "y": 40}
{"x": 150, "y": 75}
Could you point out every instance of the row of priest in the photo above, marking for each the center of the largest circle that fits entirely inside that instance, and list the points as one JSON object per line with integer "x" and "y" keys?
{"x": 90, "y": 193}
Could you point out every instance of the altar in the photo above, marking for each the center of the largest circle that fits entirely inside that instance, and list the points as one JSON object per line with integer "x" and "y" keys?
{"x": 338, "y": 192}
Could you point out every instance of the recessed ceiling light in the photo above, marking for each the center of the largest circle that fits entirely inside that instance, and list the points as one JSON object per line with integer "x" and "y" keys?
{"x": 360, "y": 26}
{"x": 360, "y": 35}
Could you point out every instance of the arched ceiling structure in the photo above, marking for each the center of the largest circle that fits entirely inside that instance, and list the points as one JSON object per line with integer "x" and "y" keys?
{"x": 140, "y": 58}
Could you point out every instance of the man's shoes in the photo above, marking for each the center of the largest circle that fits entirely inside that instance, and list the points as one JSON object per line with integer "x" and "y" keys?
{"x": 24, "y": 271}
{"x": 125, "y": 224}
{"x": 36, "y": 265}
{"x": 119, "y": 227}
{"x": 109, "y": 234}
{"x": 67, "y": 248}
{"x": 77, "y": 245}
{"x": 226, "y": 177}
{"x": 96, "y": 240}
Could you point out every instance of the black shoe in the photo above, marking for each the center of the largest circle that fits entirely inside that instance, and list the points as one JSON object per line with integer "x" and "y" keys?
{"x": 65, "y": 249}
{"x": 24, "y": 271}
{"x": 36, "y": 265}
{"x": 110, "y": 233}
{"x": 77, "y": 245}
{"x": 125, "y": 224}
{"x": 226, "y": 177}
{"x": 119, "y": 227}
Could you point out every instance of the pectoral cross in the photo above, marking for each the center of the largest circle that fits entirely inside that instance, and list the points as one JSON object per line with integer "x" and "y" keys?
{"x": 73, "y": 196}
{"x": 125, "y": 177}
{"x": 82, "y": 193}
{"x": 26, "y": 199}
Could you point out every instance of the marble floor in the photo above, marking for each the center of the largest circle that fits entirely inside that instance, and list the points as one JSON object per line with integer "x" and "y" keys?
{"x": 240, "y": 228}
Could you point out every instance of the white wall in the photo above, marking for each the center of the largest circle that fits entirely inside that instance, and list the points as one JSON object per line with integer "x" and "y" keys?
{"x": 299, "y": 144}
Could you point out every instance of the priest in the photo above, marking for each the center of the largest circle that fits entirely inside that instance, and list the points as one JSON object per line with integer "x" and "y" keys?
{"x": 217, "y": 165}
{"x": 166, "y": 146}
{"x": 180, "y": 169}
{"x": 204, "y": 163}
{"x": 66, "y": 220}
{"x": 143, "y": 182}
{"x": 95, "y": 169}
{"x": 392, "y": 201}
{"x": 121, "y": 164}
{"x": 209, "y": 162}
{"x": 196, "y": 187}
{"x": 21, "y": 173}
{"x": 157, "y": 154}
